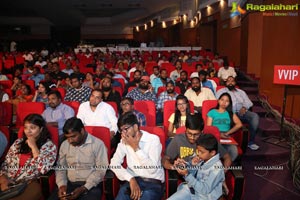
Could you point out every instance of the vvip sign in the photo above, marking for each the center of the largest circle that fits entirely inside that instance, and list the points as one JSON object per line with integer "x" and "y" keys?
{"x": 287, "y": 74}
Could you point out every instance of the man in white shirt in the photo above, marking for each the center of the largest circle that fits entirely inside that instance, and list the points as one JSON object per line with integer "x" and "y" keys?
{"x": 3, "y": 95}
{"x": 225, "y": 72}
{"x": 197, "y": 95}
{"x": 144, "y": 174}
{"x": 176, "y": 73}
{"x": 96, "y": 112}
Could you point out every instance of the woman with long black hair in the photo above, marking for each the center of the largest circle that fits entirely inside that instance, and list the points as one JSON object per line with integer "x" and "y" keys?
{"x": 29, "y": 157}
{"x": 177, "y": 119}
{"x": 226, "y": 121}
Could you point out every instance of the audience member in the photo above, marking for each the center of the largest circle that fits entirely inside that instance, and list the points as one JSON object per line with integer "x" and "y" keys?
{"x": 41, "y": 94}
{"x": 240, "y": 106}
{"x": 178, "y": 118}
{"x": 197, "y": 95}
{"x": 37, "y": 76}
{"x": 144, "y": 175}
{"x": 225, "y": 72}
{"x": 176, "y": 73}
{"x": 134, "y": 83}
{"x": 143, "y": 92}
{"x": 205, "y": 82}
{"x": 90, "y": 81}
{"x": 155, "y": 74}
{"x": 29, "y": 157}
{"x": 203, "y": 175}
{"x": 68, "y": 70}
{"x": 167, "y": 95}
{"x": 40, "y": 62}
{"x": 77, "y": 72}
{"x": 183, "y": 146}
{"x": 80, "y": 175}
{"x": 56, "y": 73}
{"x": 198, "y": 69}
{"x": 226, "y": 121}
{"x": 161, "y": 80}
{"x": 127, "y": 105}
{"x": 77, "y": 92}
{"x": 109, "y": 94}
{"x": 96, "y": 112}
{"x": 3, "y": 95}
{"x": 183, "y": 82}
{"x": 57, "y": 113}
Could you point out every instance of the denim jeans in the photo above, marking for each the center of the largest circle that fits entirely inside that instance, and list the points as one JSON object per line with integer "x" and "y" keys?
{"x": 151, "y": 191}
{"x": 231, "y": 150}
{"x": 252, "y": 119}
{"x": 183, "y": 193}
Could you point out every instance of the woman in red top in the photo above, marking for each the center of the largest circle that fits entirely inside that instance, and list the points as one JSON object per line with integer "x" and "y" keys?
{"x": 29, "y": 157}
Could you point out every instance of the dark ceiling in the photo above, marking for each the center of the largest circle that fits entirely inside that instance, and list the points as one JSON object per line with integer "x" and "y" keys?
{"x": 77, "y": 12}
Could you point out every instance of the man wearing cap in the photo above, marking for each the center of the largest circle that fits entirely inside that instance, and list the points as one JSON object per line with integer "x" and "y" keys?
{"x": 167, "y": 95}
{"x": 144, "y": 91}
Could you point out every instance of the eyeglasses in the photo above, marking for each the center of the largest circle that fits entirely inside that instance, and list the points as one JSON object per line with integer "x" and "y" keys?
{"x": 181, "y": 104}
{"x": 125, "y": 129}
{"x": 125, "y": 104}
{"x": 191, "y": 135}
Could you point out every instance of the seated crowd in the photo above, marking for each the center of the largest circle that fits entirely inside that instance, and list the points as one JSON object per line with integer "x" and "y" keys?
{"x": 102, "y": 89}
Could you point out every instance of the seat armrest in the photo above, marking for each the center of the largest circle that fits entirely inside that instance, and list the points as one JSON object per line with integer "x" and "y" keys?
{"x": 235, "y": 183}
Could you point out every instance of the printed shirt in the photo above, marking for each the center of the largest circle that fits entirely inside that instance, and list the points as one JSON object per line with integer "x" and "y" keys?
{"x": 33, "y": 167}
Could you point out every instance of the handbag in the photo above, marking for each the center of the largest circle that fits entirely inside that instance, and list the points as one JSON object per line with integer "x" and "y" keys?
{"x": 13, "y": 191}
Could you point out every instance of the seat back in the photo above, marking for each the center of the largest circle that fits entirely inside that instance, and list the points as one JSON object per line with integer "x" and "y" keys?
{"x": 207, "y": 105}
{"x": 148, "y": 109}
{"x": 62, "y": 92}
{"x": 220, "y": 87}
{"x": 31, "y": 84}
{"x": 6, "y": 113}
{"x": 103, "y": 134}
{"x": 114, "y": 105}
{"x": 73, "y": 104}
{"x": 169, "y": 109}
{"x": 6, "y": 84}
{"x": 121, "y": 81}
{"x": 26, "y": 108}
{"x": 212, "y": 130}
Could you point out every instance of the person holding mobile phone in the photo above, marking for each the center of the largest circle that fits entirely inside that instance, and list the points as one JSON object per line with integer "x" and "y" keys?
{"x": 81, "y": 164}
{"x": 144, "y": 174}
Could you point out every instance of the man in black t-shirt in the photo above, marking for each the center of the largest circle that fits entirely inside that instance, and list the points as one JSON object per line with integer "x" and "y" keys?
{"x": 184, "y": 145}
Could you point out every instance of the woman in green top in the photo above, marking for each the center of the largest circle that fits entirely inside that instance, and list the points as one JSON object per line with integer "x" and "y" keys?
{"x": 226, "y": 121}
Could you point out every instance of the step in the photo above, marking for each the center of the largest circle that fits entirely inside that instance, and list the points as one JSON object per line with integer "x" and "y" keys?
{"x": 254, "y": 99}
{"x": 266, "y": 151}
{"x": 247, "y": 83}
{"x": 269, "y": 127}
{"x": 259, "y": 110}
{"x": 250, "y": 90}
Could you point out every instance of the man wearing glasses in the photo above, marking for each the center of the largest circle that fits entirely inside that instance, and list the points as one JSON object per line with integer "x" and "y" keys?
{"x": 127, "y": 105}
{"x": 144, "y": 174}
{"x": 184, "y": 145}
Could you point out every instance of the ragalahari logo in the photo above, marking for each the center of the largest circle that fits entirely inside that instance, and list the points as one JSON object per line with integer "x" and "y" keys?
{"x": 236, "y": 10}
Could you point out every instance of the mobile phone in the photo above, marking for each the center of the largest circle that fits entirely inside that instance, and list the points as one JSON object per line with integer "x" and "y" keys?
{"x": 66, "y": 195}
